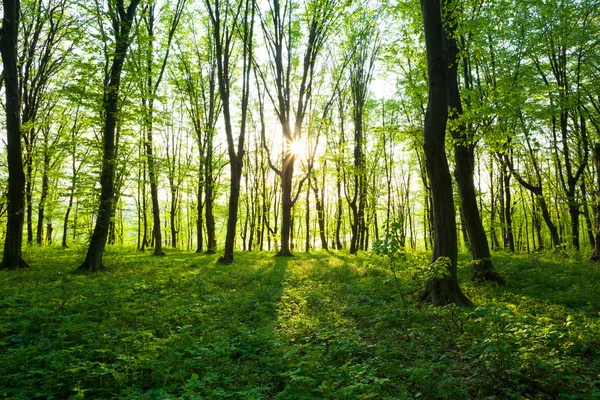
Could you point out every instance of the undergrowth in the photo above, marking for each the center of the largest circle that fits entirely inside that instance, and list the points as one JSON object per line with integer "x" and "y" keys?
{"x": 322, "y": 325}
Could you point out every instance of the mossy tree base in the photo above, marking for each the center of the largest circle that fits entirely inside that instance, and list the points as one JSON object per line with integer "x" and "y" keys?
{"x": 284, "y": 253}
{"x": 483, "y": 270}
{"x": 226, "y": 260}
{"x": 91, "y": 268}
{"x": 441, "y": 292}
{"x": 13, "y": 266}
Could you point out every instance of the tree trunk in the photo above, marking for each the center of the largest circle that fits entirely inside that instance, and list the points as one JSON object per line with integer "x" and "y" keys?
{"x": 307, "y": 217}
{"x": 157, "y": 235}
{"x": 66, "y": 220}
{"x": 482, "y": 267}
{"x": 12, "y": 257}
{"x": 29, "y": 198}
{"x": 286, "y": 205}
{"x": 93, "y": 258}
{"x": 596, "y": 254}
{"x": 43, "y": 195}
{"x": 586, "y": 214}
{"x": 439, "y": 290}
{"x": 320, "y": 214}
{"x": 510, "y": 239}
{"x": 208, "y": 197}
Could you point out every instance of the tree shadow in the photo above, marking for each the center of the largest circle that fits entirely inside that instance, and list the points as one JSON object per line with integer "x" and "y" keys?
{"x": 551, "y": 278}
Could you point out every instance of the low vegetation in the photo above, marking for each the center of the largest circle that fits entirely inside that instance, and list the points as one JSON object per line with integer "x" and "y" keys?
{"x": 320, "y": 325}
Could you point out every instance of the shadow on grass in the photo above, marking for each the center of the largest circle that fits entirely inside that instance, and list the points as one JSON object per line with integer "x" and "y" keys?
{"x": 146, "y": 327}
{"x": 551, "y": 278}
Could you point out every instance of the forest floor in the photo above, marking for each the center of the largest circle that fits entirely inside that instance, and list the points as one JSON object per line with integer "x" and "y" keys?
{"x": 322, "y": 325}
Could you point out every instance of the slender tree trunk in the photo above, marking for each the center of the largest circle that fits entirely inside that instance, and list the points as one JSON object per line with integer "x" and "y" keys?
{"x": 199, "y": 219}
{"x": 586, "y": 215}
{"x": 43, "y": 195}
{"x": 12, "y": 257}
{"x": 122, "y": 23}
{"x": 66, "y": 220}
{"x": 320, "y": 214}
{"x": 307, "y": 217}
{"x": 208, "y": 196}
{"x": 596, "y": 254}
{"x": 29, "y": 199}
{"x": 443, "y": 290}
{"x": 173, "y": 217}
{"x": 286, "y": 205}
{"x": 482, "y": 267}
{"x": 510, "y": 239}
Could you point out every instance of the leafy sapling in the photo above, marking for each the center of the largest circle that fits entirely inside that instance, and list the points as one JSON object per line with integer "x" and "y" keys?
{"x": 389, "y": 248}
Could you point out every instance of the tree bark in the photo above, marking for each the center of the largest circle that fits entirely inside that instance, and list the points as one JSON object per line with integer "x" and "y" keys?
{"x": 12, "y": 257}
{"x": 440, "y": 290}
{"x": 122, "y": 23}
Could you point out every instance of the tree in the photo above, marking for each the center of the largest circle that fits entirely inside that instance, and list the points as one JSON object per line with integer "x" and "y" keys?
{"x": 464, "y": 157}
{"x": 364, "y": 50}
{"x": 279, "y": 30}
{"x": 198, "y": 83}
{"x": 596, "y": 254}
{"x": 122, "y": 19}
{"x": 443, "y": 288}
{"x": 45, "y": 26}
{"x": 233, "y": 23}
{"x": 150, "y": 89}
{"x": 12, "y": 257}
{"x": 75, "y": 131}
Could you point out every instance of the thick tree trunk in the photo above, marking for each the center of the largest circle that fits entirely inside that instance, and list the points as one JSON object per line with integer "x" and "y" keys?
{"x": 12, "y": 257}
{"x": 93, "y": 258}
{"x": 441, "y": 290}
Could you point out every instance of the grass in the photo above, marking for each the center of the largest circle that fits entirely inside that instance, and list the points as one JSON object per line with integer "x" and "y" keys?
{"x": 321, "y": 325}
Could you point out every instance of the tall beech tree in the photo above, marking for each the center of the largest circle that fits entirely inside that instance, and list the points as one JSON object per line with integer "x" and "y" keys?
{"x": 363, "y": 52}
{"x": 233, "y": 24}
{"x": 279, "y": 28}
{"x": 198, "y": 83}
{"x": 122, "y": 19}
{"x": 442, "y": 289}
{"x": 46, "y": 26}
{"x": 464, "y": 155}
{"x": 12, "y": 257}
{"x": 150, "y": 88}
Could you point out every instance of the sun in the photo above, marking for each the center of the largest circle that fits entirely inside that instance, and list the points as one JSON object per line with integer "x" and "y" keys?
{"x": 296, "y": 148}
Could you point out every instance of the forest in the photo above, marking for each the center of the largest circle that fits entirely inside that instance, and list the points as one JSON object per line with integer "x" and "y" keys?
{"x": 300, "y": 199}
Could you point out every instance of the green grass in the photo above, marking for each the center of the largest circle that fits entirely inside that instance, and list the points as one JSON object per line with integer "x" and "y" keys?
{"x": 324, "y": 325}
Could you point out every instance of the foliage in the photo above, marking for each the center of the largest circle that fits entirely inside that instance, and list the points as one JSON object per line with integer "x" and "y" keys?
{"x": 325, "y": 325}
